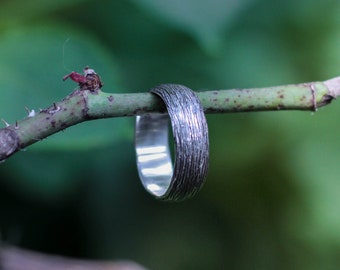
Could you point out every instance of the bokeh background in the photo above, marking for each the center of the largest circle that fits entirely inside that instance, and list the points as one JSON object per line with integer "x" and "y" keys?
{"x": 271, "y": 200}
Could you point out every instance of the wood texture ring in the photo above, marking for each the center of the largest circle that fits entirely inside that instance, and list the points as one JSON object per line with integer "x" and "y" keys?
{"x": 159, "y": 176}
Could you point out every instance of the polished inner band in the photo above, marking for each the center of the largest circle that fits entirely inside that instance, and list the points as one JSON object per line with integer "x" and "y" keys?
{"x": 191, "y": 143}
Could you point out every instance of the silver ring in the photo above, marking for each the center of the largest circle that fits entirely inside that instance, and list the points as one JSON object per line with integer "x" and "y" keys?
{"x": 191, "y": 145}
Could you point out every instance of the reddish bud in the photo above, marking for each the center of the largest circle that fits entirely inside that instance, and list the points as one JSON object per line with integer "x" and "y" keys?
{"x": 75, "y": 77}
{"x": 89, "y": 81}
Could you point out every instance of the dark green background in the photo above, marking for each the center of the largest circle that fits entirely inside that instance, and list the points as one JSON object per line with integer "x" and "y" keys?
{"x": 271, "y": 200}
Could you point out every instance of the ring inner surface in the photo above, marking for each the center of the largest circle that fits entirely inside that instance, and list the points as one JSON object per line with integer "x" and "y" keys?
{"x": 153, "y": 155}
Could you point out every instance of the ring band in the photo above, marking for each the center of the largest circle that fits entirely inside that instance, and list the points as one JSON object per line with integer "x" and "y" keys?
{"x": 191, "y": 143}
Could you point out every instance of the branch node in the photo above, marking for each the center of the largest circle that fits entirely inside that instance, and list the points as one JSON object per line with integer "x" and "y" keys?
{"x": 55, "y": 109}
{"x": 312, "y": 87}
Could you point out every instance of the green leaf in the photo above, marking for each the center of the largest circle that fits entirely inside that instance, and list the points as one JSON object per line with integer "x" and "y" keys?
{"x": 253, "y": 60}
{"x": 15, "y": 11}
{"x": 314, "y": 148}
{"x": 206, "y": 21}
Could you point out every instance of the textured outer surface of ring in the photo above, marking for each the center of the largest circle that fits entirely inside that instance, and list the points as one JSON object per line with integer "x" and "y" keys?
{"x": 191, "y": 141}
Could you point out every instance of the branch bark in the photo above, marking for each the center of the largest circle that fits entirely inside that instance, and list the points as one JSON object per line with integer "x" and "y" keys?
{"x": 84, "y": 105}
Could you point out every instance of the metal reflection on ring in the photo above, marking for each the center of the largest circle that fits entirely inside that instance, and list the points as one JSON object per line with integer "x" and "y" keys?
{"x": 191, "y": 145}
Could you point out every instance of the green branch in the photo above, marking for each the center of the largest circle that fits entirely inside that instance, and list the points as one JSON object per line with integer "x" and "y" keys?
{"x": 84, "y": 105}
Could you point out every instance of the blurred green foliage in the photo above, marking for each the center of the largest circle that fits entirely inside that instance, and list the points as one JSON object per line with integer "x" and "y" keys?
{"x": 272, "y": 196}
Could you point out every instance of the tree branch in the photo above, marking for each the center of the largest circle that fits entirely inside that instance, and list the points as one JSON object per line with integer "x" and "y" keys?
{"x": 84, "y": 105}
{"x": 12, "y": 258}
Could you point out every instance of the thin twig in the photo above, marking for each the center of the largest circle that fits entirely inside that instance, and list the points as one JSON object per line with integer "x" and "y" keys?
{"x": 84, "y": 105}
